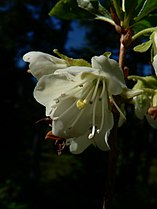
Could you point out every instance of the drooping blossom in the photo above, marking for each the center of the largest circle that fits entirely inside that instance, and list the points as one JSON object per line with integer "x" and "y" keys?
{"x": 79, "y": 100}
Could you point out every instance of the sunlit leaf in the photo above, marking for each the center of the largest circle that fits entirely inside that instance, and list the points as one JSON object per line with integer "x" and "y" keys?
{"x": 132, "y": 9}
{"x": 143, "y": 47}
{"x": 68, "y": 9}
{"x": 147, "y": 22}
{"x": 107, "y": 54}
{"x": 147, "y": 7}
{"x": 71, "y": 61}
{"x": 95, "y": 8}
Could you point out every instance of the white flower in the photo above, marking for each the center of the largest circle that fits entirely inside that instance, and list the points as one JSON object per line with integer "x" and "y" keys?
{"x": 43, "y": 63}
{"x": 79, "y": 99}
{"x": 141, "y": 104}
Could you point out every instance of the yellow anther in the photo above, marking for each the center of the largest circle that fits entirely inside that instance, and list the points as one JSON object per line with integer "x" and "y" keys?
{"x": 80, "y": 104}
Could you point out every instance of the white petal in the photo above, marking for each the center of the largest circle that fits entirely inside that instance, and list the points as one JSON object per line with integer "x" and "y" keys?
{"x": 73, "y": 146}
{"x": 74, "y": 70}
{"x": 78, "y": 145}
{"x": 50, "y": 87}
{"x": 64, "y": 119}
{"x": 71, "y": 122}
{"x": 101, "y": 139}
{"x": 155, "y": 42}
{"x": 111, "y": 70}
{"x": 43, "y": 63}
{"x": 152, "y": 122}
{"x": 155, "y": 63}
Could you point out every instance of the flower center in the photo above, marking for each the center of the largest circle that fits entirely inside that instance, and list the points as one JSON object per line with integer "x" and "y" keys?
{"x": 81, "y": 104}
{"x": 91, "y": 94}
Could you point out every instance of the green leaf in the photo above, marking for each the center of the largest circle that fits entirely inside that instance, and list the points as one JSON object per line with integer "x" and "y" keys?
{"x": 118, "y": 9}
{"x": 107, "y": 54}
{"x": 95, "y": 8}
{"x": 68, "y": 9}
{"x": 147, "y": 7}
{"x": 149, "y": 82}
{"x": 143, "y": 47}
{"x": 147, "y": 22}
{"x": 136, "y": 10}
{"x": 132, "y": 9}
{"x": 71, "y": 61}
{"x": 137, "y": 6}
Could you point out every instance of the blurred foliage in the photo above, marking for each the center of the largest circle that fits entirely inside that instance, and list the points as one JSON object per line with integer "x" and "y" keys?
{"x": 32, "y": 175}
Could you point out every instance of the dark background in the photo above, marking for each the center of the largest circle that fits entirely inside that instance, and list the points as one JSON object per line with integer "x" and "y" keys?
{"x": 32, "y": 175}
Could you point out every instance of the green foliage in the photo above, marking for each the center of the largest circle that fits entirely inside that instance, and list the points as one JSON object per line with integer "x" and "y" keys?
{"x": 131, "y": 12}
{"x": 147, "y": 22}
{"x": 9, "y": 193}
{"x": 138, "y": 9}
{"x": 143, "y": 47}
{"x": 71, "y": 61}
{"x": 118, "y": 9}
{"x": 144, "y": 81}
{"x": 146, "y": 7}
{"x": 68, "y": 9}
{"x": 136, "y": 14}
{"x": 94, "y": 7}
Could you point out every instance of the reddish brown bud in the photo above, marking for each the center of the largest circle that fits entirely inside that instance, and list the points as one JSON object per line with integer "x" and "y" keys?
{"x": 152, "y": 111}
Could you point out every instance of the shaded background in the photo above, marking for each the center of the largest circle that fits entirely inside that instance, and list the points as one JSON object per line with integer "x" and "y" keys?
{"x": 32, "y": 175}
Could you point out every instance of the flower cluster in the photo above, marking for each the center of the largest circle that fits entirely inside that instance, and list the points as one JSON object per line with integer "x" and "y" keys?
{"x": 146, "y": 103}
{"x": 78, "y": 99}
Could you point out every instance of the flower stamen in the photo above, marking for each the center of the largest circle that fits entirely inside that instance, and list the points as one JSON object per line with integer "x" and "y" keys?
{"x": 81, "y": 103}
{"x": 92, "y": 134}
{"x": 95, "y": 90}
{"x": 76, "y": 119}
{"x": 119, "y": 110}
{"x": 102, "y": 114}
{"x": 103, "y": 89}
{"x": 71, "y": 91}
